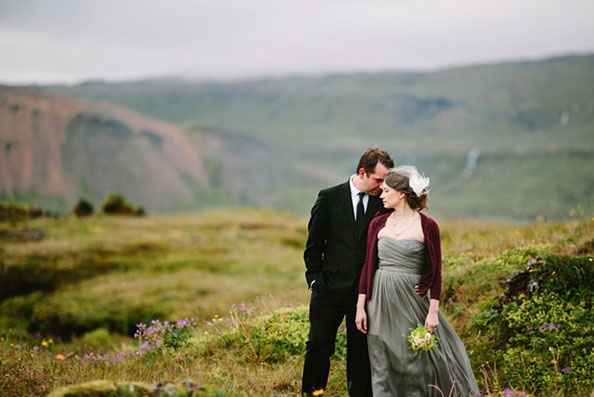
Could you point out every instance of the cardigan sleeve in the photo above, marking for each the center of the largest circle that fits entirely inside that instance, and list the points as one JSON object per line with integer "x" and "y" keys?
{"x": 371, "y": 258}
{"x": 436, "y": 264}
{"x": 431, "y": 279}
{"x": 369, "y": 263}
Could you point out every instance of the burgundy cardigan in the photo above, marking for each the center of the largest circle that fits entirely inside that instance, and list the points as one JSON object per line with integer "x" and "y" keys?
{"x": 431, "y": 278}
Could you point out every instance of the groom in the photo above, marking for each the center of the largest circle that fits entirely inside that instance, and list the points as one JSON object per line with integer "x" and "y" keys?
{"x": 334, "y": 254}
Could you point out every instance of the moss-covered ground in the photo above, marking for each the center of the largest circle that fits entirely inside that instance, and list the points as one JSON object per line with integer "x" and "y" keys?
{"x": 71, "y": 301}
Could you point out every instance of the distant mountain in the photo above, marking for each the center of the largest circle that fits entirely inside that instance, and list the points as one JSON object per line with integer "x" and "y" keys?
{"x": 55, "y": 149}
{"x": 536, "y": 105}
{"x": 513, "y": 140}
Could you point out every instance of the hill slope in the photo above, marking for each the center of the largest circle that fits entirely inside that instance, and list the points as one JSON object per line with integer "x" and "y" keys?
{"x": 541, "y": 104}
{"x": 513, "y": 140}
{"x": 59, "y": 148}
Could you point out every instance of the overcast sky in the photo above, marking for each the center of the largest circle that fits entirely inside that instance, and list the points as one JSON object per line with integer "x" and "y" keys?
{"x": 72, "y": 40}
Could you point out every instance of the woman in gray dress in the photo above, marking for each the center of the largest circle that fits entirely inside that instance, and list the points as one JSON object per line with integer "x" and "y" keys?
{"x": 399, "y": 290}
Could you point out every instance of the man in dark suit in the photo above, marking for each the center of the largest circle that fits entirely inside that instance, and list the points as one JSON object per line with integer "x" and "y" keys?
{"x": 334, "y": 254}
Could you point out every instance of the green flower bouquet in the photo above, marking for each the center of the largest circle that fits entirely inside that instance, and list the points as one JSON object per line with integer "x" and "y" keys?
{"x": 420, "y": 339}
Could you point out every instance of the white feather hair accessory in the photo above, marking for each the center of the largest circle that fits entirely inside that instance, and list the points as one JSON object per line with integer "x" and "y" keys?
{"x": 418, "y": 182}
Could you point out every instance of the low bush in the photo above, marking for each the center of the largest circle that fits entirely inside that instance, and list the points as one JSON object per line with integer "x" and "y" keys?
{"x": 98, "y": 339}
{"x": 83, "y": 208}
{"x": 272, "y": 338}
{"x": 542, "y": 327}
{"x": 115, "y": 204}
{"x": 11, "y": 212}
{"x": 282, "y": 334}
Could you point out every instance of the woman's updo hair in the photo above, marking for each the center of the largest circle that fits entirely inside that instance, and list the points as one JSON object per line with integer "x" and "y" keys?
{"x": 399, "y": 182}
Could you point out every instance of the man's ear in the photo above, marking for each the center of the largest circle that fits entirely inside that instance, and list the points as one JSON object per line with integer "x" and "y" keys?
{"x": 361, "y": 171}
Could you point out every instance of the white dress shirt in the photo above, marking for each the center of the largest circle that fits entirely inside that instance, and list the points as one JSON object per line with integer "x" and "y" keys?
{"x": 355, "y": 197}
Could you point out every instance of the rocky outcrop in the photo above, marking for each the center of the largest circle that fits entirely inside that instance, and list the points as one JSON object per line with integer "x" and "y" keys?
{"x": 55, "y": 146}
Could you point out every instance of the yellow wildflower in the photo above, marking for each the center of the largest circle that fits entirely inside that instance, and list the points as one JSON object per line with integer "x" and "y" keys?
{"x": 319, "y": 392}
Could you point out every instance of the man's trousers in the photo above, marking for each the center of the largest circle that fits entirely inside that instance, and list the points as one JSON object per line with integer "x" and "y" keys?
{"x": 327, "y": 308}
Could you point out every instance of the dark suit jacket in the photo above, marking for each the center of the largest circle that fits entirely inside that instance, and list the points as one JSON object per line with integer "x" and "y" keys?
{"x": 335, "y": 247}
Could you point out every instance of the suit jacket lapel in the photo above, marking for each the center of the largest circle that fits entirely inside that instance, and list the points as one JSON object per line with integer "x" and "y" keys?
{"x": 348, "y": 205}
{"x": 372, "y": 207}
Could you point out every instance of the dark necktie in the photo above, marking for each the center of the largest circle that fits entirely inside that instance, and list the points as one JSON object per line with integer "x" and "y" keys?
{"x": 360, "y": 209}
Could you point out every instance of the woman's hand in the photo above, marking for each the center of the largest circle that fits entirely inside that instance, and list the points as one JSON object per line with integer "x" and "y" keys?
{"x": 432, "y": 320}
{"x": 361, "y": 315}
{"x": 361, "y": 319}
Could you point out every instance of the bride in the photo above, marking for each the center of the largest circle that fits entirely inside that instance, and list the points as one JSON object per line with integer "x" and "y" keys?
{"x": 399, "y": 289}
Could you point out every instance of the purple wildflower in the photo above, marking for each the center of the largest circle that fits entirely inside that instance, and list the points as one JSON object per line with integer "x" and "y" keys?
{"x": 181, "y": 323}
{"x": 240, "y": 308}
{"x": 566, "y": 370}
{"x": 163, "y": 334}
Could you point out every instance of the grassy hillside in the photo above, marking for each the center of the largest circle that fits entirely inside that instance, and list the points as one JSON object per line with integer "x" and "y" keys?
{"x": 86, "y": 284}
{"x": 529, "y": 125}
{"x": 453, "y": 109}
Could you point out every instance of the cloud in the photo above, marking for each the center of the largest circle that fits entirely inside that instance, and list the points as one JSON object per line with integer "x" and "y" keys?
{"x": 73, "y": 39}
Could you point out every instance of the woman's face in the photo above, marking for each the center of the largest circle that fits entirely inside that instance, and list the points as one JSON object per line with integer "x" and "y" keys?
{"x": 390, "y": 197}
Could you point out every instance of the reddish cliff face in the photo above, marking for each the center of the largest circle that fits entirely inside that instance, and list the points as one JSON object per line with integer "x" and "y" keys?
{"x": 63, "y": 147}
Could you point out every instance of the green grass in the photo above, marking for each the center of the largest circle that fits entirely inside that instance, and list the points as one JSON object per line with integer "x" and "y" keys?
{"x": 108, "y": 273}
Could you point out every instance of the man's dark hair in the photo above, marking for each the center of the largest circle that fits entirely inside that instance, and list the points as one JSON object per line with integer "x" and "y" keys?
{"x": 370, "y": 158}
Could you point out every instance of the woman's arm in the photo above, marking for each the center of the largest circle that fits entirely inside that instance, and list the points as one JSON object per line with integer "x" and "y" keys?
{"x": 432, "y": 320}
{"x": 431, "y": 280}
{"x": 361, "y": 316}
{"x": 370, "y": 262}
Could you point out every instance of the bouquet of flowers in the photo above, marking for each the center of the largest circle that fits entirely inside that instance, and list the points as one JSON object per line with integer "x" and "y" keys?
{"x": 420, "y": 339}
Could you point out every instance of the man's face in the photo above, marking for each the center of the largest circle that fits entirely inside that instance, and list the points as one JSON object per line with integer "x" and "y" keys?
{"x": 372, "y": 182}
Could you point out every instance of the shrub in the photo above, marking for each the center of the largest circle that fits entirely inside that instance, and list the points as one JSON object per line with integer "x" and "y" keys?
{"x": 10, "y": 212}
{"x": 552, "y": 344}
{"x": 542, "y": 327}
{"x": 83, "y": 208}
{"x": 280, "y": 335}
{"x": 99, "y": 338}
{"x": 272, "y": 338}
{"x": 115, "y": 204}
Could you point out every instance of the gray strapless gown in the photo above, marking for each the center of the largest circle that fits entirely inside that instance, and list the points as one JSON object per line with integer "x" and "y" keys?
{"x": 393, "y": 311}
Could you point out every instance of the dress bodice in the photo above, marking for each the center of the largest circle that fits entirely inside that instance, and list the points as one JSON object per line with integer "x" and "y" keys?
{"x": 403, "y": 255}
